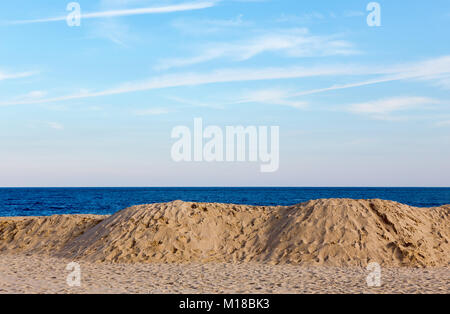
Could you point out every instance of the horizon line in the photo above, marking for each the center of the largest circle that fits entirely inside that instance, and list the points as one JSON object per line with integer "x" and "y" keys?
{"x": 231, "y": 187}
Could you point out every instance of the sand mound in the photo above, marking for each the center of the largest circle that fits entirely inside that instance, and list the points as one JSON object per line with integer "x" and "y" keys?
{"x": 334, "y": 232}
{"x": 43, "y": 234}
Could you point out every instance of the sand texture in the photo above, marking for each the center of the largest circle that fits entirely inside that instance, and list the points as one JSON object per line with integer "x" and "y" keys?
{"x": 42, "y": 274}
{"x": 43, "y": 234}
{"x": 329, "y": 232}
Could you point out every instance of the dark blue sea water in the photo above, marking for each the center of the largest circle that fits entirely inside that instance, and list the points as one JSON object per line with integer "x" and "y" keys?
{"x": 51, "y": 201}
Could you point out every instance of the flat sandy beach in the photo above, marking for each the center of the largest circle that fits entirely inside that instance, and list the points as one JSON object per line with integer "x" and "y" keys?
{"x": 34, "y": 274}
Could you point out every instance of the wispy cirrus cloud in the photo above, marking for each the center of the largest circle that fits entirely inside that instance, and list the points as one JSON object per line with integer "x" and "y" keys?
{"x": 272, "y": 96}
{"x": 310, "y": 17}
{"x": 207, "y": 26}
{"x": 31, "y": 97}
{"x": 17, "y": 75}
{"x": 296, "y": 43}
{"x": 436, "y": 71}
{"x": 193, "y": 79}
{"x": 432, "y": 71}
{"x": 300, "y": 19}
{"x": 383, "y": 108}
{"x": 114, "y": 31}
{"x": 127, "y": 12}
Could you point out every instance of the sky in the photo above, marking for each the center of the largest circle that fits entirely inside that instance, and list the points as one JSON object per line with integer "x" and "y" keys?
{"x": 95, "y": 104}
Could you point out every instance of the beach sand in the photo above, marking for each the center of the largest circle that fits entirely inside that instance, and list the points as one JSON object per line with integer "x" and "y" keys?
{"x": 320, "y": 246}
{"x": 34, "y": 274}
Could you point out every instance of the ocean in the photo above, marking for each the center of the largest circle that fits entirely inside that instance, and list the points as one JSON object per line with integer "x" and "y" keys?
{"x": 53, "y": 201}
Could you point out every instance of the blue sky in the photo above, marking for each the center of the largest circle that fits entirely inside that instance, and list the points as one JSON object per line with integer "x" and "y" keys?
{"x": 95, "y": 105}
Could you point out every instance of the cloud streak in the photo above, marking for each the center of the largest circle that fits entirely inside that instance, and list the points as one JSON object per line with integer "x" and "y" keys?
{"x": 383, "y": 108}
{"x": 273, "y": 96}
{"x": 193, "y": 79}
{"x": 295, "y": 43}
{"x": 436, "y": 70}
{"x": 208, "y": 26}
{"x": 127, "y": 12}
{"x": 433, "y": 70}
{"x": 9, "y": 76}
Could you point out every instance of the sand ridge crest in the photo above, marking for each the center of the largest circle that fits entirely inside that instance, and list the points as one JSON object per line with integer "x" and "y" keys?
{"x": 331, "y": 232}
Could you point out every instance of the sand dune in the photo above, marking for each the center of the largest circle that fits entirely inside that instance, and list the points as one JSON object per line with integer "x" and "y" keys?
{"x": 43, "y": 234}
{"x": 331, "y": 232}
